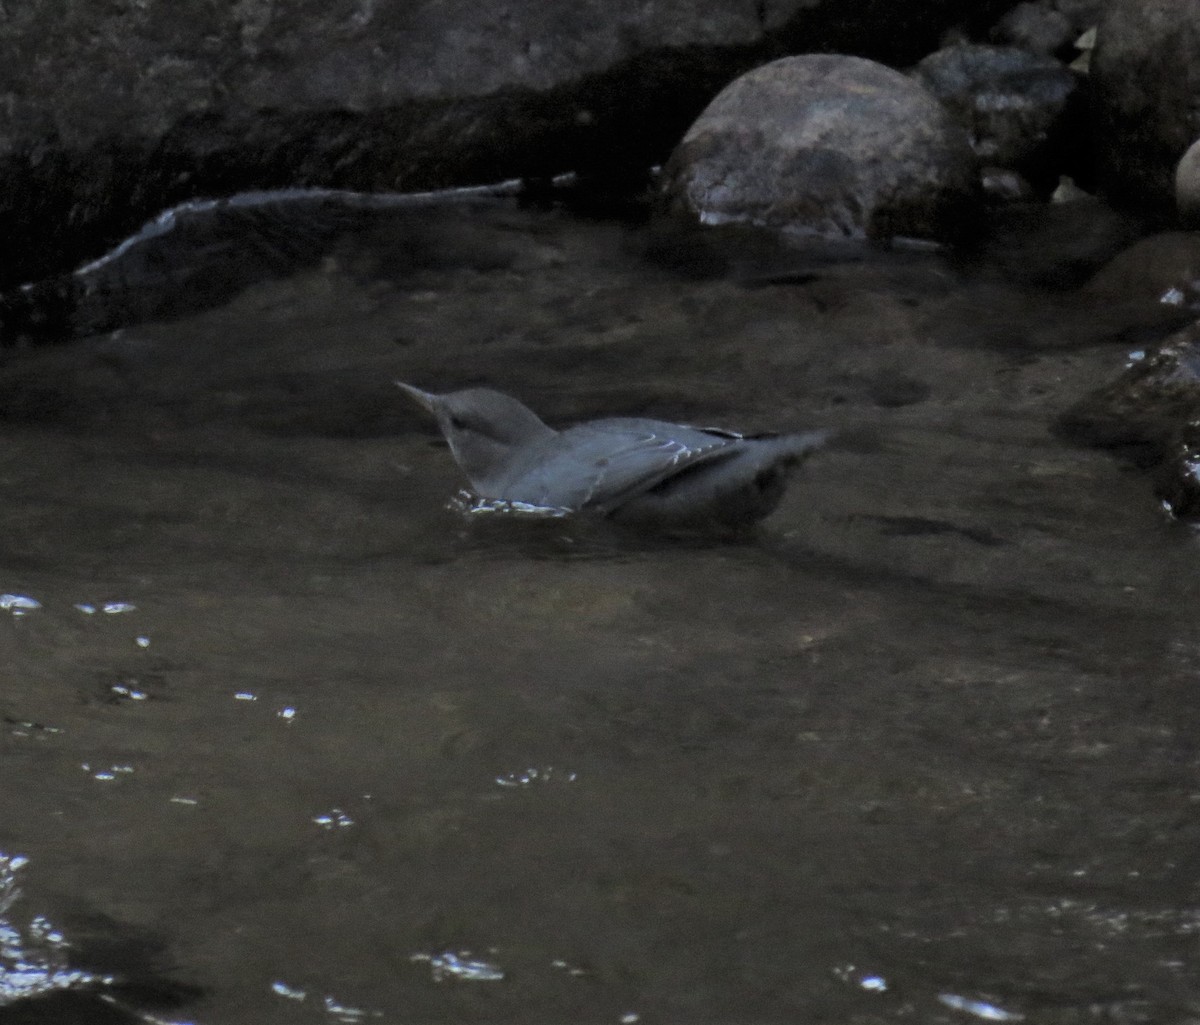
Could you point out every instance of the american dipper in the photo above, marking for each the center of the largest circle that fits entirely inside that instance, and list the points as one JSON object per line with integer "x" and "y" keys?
{"x": 648, "y": 472}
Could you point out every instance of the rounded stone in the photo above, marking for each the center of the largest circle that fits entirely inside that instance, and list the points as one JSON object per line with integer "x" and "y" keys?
{"x": 1187, "y": 186}
{"x": 829, "y": 145}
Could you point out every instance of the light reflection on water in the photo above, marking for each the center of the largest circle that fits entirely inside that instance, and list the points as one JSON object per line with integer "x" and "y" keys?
{"x": 978, "y": 1008}
{"x": 532, "y": 776}
{"x": 333, "y": 1008}
{"x": 33, "y": 959}
{"x": 460, "y": 966}
{"x": 18, "y": 604}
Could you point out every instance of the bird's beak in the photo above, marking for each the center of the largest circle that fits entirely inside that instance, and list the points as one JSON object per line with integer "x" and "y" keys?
{"x": 423, "y": 398}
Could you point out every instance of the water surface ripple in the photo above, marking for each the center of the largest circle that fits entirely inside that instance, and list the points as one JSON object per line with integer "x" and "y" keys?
{"x": 323, "y": 749}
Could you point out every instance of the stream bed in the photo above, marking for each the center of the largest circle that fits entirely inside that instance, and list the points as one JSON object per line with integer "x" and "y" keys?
{"x": 286, "y": 740}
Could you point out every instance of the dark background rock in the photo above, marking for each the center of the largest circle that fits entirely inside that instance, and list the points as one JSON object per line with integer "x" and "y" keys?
{"x": 1036, "y": 27}
{"x": 114, "y": 111}
{"x": 830, "y": 145}
{"x": 1058, "y": 245}
{"x": 1047, "y": 26}
{"x": 198, "y": 254}
{"x": 1014, "y": 106}
{"x": 1145, "y": 74}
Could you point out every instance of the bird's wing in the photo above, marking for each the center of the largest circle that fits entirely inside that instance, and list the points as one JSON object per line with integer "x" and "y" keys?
{"x": 604, "y": 463}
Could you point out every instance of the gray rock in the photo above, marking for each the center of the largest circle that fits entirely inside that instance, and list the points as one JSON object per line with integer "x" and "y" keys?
{"x": 1145, "y": 71}
{"x": 830, "y": 145}
{"x": 1010, "y": 102}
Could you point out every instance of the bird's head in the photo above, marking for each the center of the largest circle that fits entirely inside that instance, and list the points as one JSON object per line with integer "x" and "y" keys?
{"x": 484, "y": 429}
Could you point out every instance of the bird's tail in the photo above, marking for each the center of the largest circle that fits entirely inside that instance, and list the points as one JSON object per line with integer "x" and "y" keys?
{"x": 797, "y": 447}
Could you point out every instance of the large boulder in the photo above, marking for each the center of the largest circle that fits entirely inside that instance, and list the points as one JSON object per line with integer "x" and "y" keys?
{"x": 1146, "y": 87}
{"x": 110, "y": 112}
{"x": 830, "y": 145}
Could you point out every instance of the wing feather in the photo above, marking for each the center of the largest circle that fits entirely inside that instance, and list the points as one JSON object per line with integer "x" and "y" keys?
{"x": 604, "y": 463}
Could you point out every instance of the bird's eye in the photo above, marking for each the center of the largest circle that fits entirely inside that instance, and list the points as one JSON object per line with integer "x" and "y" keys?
{"x": 458, "y": 423}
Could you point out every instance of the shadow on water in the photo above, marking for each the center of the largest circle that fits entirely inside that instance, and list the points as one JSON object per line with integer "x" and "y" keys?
{"x": 102, "y": 974}
{"x": 920, "y": 748}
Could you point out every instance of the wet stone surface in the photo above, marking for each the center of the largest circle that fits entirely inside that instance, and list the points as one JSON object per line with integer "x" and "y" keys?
{"x": 921, "y": 750}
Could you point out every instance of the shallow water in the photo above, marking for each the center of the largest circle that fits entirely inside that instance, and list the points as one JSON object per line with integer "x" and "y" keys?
{"x": 922, "y": 750}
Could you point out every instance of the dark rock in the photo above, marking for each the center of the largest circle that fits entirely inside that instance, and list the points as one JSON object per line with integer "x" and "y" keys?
{"x": 1163, "y": 269}
{"x": 1152, "y": 411}
{"x": 1179, "y": 477}
{"x": 199, "y": 254}
{"x": 830, "y": 145}
{"x": 1011, "y": 103}
{"x": 1036, "y": 27}
{"x": 1145, "y": 72}
{"x": 1146, "y": 405}
{"x": 1082, "y": 14}
{"x": 1059, "y": 245}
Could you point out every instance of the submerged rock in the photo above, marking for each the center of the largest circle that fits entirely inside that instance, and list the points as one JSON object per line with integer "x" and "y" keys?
{"x": 1179, "y": 481}
{"x": 201, "y": 253}
{"x": 1152, "y": 411}
{"x": 1013, "y": 104}
{"x": 1163, "y": 268}
{"x": 1036, "y": 27}
{"x": 830, "y": 145}
{"x": 1145, "y": 72}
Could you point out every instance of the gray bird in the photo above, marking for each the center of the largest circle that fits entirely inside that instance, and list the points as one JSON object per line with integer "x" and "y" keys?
{"x": 630, "y": 469}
